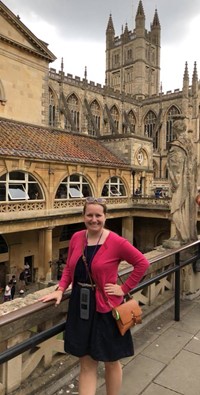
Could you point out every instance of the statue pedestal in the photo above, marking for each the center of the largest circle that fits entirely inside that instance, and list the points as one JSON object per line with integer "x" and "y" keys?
{"x": 170, "y": 243}
{"x": 190, "y": 274}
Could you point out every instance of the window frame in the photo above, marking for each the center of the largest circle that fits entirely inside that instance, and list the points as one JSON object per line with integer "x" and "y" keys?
{"x": 70, "y": 183}
{"x": 9, "y": 181}
{"x": 114, "y": 183}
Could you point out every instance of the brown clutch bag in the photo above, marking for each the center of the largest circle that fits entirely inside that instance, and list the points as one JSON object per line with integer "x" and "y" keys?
{"x": 127, "y": 314}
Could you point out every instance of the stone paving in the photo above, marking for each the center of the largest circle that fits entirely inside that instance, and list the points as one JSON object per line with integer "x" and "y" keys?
{"x": 166, "y": 362}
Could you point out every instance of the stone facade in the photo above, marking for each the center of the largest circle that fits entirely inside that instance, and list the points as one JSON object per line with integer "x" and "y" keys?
{"x": 131, "y": 120}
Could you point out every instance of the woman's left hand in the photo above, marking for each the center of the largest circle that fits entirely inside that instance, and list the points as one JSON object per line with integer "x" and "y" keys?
{"x": 113, "y": 289}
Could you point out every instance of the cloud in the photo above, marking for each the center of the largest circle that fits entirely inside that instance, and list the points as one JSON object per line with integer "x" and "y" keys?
{"x": 75, "y": 30}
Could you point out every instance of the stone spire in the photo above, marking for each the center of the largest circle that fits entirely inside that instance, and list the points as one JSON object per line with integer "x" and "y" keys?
{"x": 155, "y": 29}
{"x": 62, "y": 69}
{"x": 186, "y": 81}
{"x": 156, "y": 22}
{"x": 140, "y": 11}
{"x": 195, "y": 80}
{"x": 85, "y": 73}
{"x": 125, "y": 33}
{"x": 110, "y": 33}
{"x": 140, "y": 20}
{"x": 185, "y": 102}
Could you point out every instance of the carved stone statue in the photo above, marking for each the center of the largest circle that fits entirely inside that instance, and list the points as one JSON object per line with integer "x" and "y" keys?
{"x": 182, "y": 167}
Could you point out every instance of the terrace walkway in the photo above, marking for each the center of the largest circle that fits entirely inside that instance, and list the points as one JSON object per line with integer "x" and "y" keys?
{"x": 166, "y": 361}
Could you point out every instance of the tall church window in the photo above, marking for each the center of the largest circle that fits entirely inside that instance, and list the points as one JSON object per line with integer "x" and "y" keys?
{"x": 132, "y": 121}
{"x": 74, "y": 108}
{"x": 52, "y": 111}
{"x": 113, "y": 187}
{"x": 73, "y": 186}
{"x": 116, "y": 79}
{"x": 18, "y": 185}
{"x": 169, "y": 126}
{"x": 116, "y": 59}
{"x": 115, "y": 116}
{"x": 129, "y": 123}
{"x": 129, "y": 54}
{"x": 149, "y": 124}
{"x": 96, "y": 113}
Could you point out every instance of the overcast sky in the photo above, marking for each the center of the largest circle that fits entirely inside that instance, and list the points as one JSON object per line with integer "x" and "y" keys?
{"x": 75, "y": 30}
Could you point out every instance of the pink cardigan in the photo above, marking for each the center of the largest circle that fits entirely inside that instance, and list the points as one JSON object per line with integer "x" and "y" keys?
{"x": 105, "y": 266}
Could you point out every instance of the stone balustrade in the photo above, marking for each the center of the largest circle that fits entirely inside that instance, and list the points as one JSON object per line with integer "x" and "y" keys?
{"x": 21, "y": 318}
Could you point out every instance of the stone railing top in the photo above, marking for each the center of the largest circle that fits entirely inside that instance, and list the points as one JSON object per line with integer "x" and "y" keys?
{"x": 31, "y": 298}
{"x": 23, "y": 301}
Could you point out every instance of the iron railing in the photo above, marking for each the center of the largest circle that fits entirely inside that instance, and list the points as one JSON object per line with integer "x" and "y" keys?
{"x": 179, "y": 263}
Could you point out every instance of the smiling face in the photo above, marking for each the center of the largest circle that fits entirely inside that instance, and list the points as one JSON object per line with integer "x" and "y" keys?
{"x": 94, "y": 218}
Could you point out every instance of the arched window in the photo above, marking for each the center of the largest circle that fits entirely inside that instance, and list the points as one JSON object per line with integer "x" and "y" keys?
{"x": 18, "y": 185}
{"x": 74, "y": 108}
{"x": 169, "y": 126}
{"x": 52, "y": 110}
{"x": 74, "y": 186}
{"x": 113, "y": 187}
{"x": 149, "y": 124}
{"x": 130, "y": 122}
{"x": 96, "y": 113}
{"x": 115, "y": 116}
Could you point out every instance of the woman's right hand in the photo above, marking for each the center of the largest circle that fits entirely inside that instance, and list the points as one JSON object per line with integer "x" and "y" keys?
{"x": 55, "y": 295}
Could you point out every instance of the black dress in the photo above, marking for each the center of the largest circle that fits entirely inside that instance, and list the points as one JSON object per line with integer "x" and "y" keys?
{"x": 98, "y": 336}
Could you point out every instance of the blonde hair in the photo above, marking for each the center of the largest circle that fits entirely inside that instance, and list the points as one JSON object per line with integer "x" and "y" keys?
{"x": 92, "y": 200}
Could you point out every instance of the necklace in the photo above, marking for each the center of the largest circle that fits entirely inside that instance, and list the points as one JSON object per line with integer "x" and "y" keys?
{"x": 95, "y": 249}
{"x": 84, "y": 257}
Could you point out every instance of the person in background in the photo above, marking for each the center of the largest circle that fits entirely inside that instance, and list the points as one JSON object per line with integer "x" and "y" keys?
{"x": 7, "y": 293}
{"x": 13, "y": 283}
{"x": 27, "y": 273}
{"x": 92, "y": 265}
{"x": 22, "y": 285}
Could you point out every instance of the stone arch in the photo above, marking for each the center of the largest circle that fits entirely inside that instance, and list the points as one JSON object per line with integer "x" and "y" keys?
{"x": 129, "y": 123}
{"x": 149, "y": 123}
{"x": 74, "y": 107}
{"x": 20, "y": 185}
{"x": 115, "y": 114}
{"x": 171, "y": 112}
{"x": 52, "y": 102}
{"x": 96, "y": 112}
{"x": 75, "y": 185}
{"x": 114, "y": 186}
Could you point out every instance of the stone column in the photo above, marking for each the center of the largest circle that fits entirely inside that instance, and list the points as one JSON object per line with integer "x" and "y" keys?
{"x": 127, "y": 228}
{"x": 41, "y": 267}
{"x": 48, "y": 252}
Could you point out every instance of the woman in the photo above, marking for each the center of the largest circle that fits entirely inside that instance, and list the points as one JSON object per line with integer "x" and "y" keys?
{"x": 92, "y": 268}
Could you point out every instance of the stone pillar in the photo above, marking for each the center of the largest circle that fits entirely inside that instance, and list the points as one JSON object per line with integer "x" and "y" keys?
{"x": 48, "y": 252}
{"x": 127, "y": 228}
{"x": 14, "y": 368}
{"x": 41, "y": 267}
